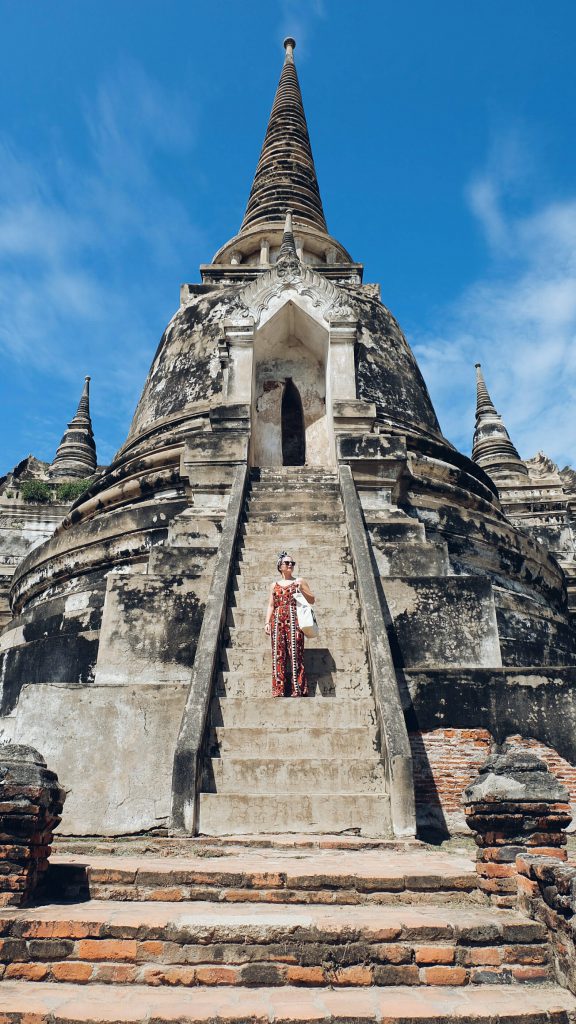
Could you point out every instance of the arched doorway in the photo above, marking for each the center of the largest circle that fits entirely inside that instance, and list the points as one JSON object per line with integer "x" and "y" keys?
{"x": 293, "y": 429}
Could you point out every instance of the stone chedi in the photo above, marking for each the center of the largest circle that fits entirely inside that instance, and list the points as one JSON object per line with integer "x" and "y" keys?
{"x": 29, "y": 513}
{"x": 284, "y": 408}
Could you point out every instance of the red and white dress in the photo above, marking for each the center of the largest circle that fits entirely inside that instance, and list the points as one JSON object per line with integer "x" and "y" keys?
{"x": 288, "y": 675}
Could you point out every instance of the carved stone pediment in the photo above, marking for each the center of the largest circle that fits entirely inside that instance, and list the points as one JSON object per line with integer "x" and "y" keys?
{"x": 291, "y": 275}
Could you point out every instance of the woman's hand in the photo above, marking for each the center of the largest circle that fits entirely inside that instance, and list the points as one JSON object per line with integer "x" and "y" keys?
{"x": 267, "y": 629}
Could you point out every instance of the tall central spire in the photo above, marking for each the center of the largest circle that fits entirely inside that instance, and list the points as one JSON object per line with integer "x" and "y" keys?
{"x": 285, "y": 176}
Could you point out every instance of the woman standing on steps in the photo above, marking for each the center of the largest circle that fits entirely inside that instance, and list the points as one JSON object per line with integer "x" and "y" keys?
{"x": 282, "y": 626}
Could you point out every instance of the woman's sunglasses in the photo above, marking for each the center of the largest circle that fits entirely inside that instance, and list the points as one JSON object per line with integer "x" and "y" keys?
{"x": 288, "y": 563}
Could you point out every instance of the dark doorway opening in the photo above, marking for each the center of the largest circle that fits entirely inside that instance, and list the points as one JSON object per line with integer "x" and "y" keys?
{"x": 293, "y": 433}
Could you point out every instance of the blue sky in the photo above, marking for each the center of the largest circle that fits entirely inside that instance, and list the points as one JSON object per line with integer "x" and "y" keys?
{"x": 445, "y": 145}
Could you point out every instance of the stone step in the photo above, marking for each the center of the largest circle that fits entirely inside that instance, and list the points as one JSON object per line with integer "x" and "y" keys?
{"x": 290, "y": 1004}
{"x": 330, "y": 638}
{"x": 272, "y": 713}
{"x": 290, "y": 496}
{"x": 319, "y": 662}
{"x": 69, "y": 1004}
{"x": 296, "y": 869}
{"x": 159, "y": 943}
{"x": 322, "y": 687}
{"x": 312, "y": 473}
{"x": 342, "y": 584}
{"x": 292, "y": 742}
{"x": 297, "y": 517}
{"x": 235, "y": 814}
{"x": 267, "y": 553}
{"x": 342, "y": 604}
{"x": 262, "y": 571}
{"x": 296, "y": 536}
{"x": 270, "y": 775}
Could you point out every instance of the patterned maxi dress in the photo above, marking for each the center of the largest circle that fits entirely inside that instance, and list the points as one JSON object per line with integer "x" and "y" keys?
{"x": 287, "y": 644}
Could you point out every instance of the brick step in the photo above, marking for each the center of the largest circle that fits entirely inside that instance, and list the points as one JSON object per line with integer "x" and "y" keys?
{"x": 295, "y": 741}
{"x": 270, "y": 713}
{"x": 210, "y": 943}
{"x": 271, "y": 775}
{"x": 296, "y": 869}
{"x": 230, "y": 813}
{"x": 324, "y": 686}
{"x": 71, "y": 1004}
{"x": 319, "y": 661}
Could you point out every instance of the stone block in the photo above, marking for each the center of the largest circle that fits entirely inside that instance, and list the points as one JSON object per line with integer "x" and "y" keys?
{"x": 449, "y": 621}
{"x": 150, "y": 628}
{"x": 112, "y": 747}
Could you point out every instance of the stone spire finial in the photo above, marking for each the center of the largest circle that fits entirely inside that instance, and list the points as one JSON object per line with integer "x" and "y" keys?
{"x": 76, "y": 453}
{"x": 288, "y": 247}
{"x": 285, "y": 175}
{"x": 492, "y": 448}
{"x": 483, "y": 401}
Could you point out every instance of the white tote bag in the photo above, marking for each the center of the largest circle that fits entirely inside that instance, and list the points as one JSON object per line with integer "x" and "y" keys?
{"x": 306, "y": 617}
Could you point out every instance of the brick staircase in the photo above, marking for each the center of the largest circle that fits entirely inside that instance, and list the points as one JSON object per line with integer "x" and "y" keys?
{"x": 297, "y": 930}
{"x": 308, "y": 765}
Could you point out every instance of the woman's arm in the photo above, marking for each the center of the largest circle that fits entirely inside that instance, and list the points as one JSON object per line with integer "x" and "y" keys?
{"x": 269, "y": 609}
{"x": 305, "y": 588}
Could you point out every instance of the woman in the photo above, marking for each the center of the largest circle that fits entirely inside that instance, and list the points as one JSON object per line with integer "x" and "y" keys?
{"x": 282, "y": 626}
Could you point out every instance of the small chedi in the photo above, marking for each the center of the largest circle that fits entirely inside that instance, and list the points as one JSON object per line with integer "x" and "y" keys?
{"x": 285, "y": 408}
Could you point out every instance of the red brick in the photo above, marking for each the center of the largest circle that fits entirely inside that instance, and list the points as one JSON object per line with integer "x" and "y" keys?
{"x": 535, "y": 974}
{"x": 356, "y": 975}
{"x": 434, "y": 955}
{"x": 525, "y": 954}
{"x": 296, "y": 975}
{"x": 117, "y": 974}
{"x": 444, "y": 975}
{"x": 488, "y": 870}
{"x": 217, "y": 975}
{"x": 71, "y": 971}
{"x": 480, "y": 956}
{"x": 27, "y": 972}
{"x": 527, "y": 887}
{"x": 107, "y": 949}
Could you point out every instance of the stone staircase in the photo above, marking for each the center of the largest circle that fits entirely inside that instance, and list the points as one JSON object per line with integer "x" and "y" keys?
{"x": 285, "y": 931}
{"x": 282, "y": 765}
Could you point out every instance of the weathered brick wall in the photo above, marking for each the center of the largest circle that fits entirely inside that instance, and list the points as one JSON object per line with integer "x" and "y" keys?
{"x": 445, "y": 762}
{"x": 563, "y": 770}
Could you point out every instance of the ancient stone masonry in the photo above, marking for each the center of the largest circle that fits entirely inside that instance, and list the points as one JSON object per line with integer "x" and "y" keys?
{"x": 31, "y": 802}
{"x": 535, "y": 494}
{"x": 36, "y": 495}
{"x": 514, "y": 806}
{"x": 282, "y": 370}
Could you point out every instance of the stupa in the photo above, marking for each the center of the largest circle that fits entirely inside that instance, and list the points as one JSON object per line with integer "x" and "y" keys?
{"x": 284, "y": 407}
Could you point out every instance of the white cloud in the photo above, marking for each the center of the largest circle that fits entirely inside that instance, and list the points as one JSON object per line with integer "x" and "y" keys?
{"x": 519, "y": 322}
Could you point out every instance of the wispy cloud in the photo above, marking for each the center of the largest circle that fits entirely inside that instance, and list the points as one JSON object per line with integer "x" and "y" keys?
{"x": 298, "y": 18}
{"x": 69, "y": 234}
{"x": 519, "y": 321}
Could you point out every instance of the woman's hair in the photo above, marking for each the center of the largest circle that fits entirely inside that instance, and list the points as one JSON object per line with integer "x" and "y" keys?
{"x": 281, "y": 556}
